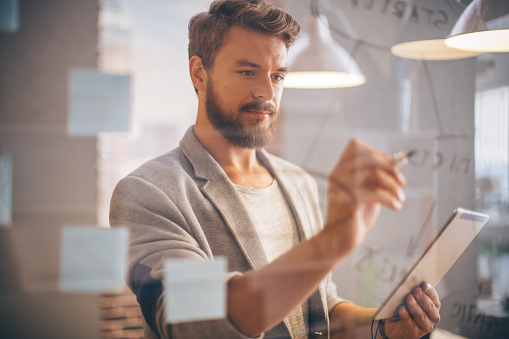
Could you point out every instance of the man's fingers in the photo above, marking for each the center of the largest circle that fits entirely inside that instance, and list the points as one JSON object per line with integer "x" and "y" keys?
{"x": 371, "y": 186}
{"x": 418, "y": 314}
{"x": 368, "y": 160}
{"x": 382, "y": 180}
{"x": 427, "y": 305}
{"x": 432, "y": 294}
{"x": 359, "y": 172}
{"x": 363, "y": 155}
{"x": 381, "y": 196}
{"x": 364, "y": 174}
{"x": 407, "y": 322}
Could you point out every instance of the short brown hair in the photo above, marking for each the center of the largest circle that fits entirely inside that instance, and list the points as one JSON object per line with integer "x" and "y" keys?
{"x": 208, "y": 29}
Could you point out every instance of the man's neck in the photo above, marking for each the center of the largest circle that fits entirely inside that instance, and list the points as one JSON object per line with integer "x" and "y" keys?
{"x": 240, "y": 164}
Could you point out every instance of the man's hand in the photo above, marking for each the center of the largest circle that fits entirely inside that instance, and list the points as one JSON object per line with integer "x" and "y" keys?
{"x": 362, "y": 181}
{"x": 418, "y": 316}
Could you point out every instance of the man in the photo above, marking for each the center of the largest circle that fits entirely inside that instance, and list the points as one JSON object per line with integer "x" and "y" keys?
{"x": 220, "y": 194}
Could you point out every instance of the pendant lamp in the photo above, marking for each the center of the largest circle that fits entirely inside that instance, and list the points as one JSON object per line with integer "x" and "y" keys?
{"x": 482, "y": 27}
{"x": 434, "y": 49}
{"x": 317, "y": 61}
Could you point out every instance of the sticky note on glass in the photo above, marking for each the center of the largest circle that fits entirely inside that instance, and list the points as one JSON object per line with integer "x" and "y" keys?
{"x": 98, "y": 102}
{"x": 195, "y": 290}
{"x": 5, "y": 189}
{"x": 92, "y": 259}
{"x": 9, "y": 15}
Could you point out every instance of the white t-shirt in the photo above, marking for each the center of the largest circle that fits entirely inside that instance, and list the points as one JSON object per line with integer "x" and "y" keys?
{"x": 277, "y": 229}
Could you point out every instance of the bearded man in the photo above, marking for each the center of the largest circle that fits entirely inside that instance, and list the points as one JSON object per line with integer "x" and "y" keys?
{"x": 220, "y": 194}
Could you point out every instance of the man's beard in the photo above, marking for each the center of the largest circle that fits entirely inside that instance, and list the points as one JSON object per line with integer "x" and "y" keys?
{"x": 247, "y": 135}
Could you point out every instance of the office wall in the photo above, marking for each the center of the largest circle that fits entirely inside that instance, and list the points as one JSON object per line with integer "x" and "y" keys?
{"x": 54, "y": 180}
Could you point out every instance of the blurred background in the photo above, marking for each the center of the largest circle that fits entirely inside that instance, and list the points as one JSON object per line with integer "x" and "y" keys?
{"x": 91, "y": 89}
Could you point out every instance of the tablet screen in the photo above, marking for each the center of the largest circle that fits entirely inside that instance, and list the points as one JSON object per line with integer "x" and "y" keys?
{"x": 438, "y": 257}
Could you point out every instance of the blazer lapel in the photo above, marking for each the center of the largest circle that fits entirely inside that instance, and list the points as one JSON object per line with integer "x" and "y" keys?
{"x": 223, "y": 195}
{"x": 227, "y": 200}
{"x": 318, "y": 311}
{"x": 318, "y": 315}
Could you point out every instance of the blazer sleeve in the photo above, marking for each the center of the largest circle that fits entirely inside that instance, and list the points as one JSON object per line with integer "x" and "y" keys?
{"x": 158, "y": 231}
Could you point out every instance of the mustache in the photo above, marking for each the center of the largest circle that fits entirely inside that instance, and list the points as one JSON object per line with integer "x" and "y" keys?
{"x": 258, "y": 106}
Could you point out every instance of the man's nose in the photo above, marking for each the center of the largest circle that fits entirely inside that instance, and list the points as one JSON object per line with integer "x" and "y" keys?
{"x": 264, "y": 88}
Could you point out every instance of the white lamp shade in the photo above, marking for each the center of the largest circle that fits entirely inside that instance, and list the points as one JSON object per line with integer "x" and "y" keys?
{"x": 317, "y": 61}
{"x": 434, "y": 49}
{"x": 482, "y": 27}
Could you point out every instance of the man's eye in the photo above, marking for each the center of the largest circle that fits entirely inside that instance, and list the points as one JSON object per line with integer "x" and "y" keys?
{"x": 246, "y": 72}
{"x": 278, "y": 77}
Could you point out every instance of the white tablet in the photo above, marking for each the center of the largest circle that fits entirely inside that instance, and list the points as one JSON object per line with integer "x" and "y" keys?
{"x": 439, "y": 256}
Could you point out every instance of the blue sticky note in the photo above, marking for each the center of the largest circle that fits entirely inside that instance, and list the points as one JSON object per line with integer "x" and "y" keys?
{"x": 5, "y": 190}
{"x": 9, "y": 17}
{"x": 98, "y": 102}
{"x": 195, "y": 290}
{"x": 93, "y": 259}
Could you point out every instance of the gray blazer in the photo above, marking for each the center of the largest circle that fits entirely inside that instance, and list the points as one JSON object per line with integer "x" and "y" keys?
{"x": 183, "y": 205}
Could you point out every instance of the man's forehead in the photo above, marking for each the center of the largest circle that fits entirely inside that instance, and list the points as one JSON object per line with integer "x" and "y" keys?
{"x": 243, "y": 46}
{"x": 283, "y": 67}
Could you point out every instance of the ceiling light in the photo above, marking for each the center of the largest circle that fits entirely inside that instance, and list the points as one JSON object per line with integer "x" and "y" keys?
{"x": 482, "y": 27}
{"x": 317, "y": 61}
{"x": 430, "y": 50}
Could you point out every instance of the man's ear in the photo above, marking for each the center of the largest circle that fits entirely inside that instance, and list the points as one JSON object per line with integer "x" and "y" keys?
{"x": 198, "y": 73}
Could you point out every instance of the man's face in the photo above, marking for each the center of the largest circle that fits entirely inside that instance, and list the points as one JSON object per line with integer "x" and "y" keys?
{"x": 244, "y": 87}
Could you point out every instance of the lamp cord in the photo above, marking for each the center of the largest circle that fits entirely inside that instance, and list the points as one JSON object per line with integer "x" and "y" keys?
{"x": 314, "y": 8}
